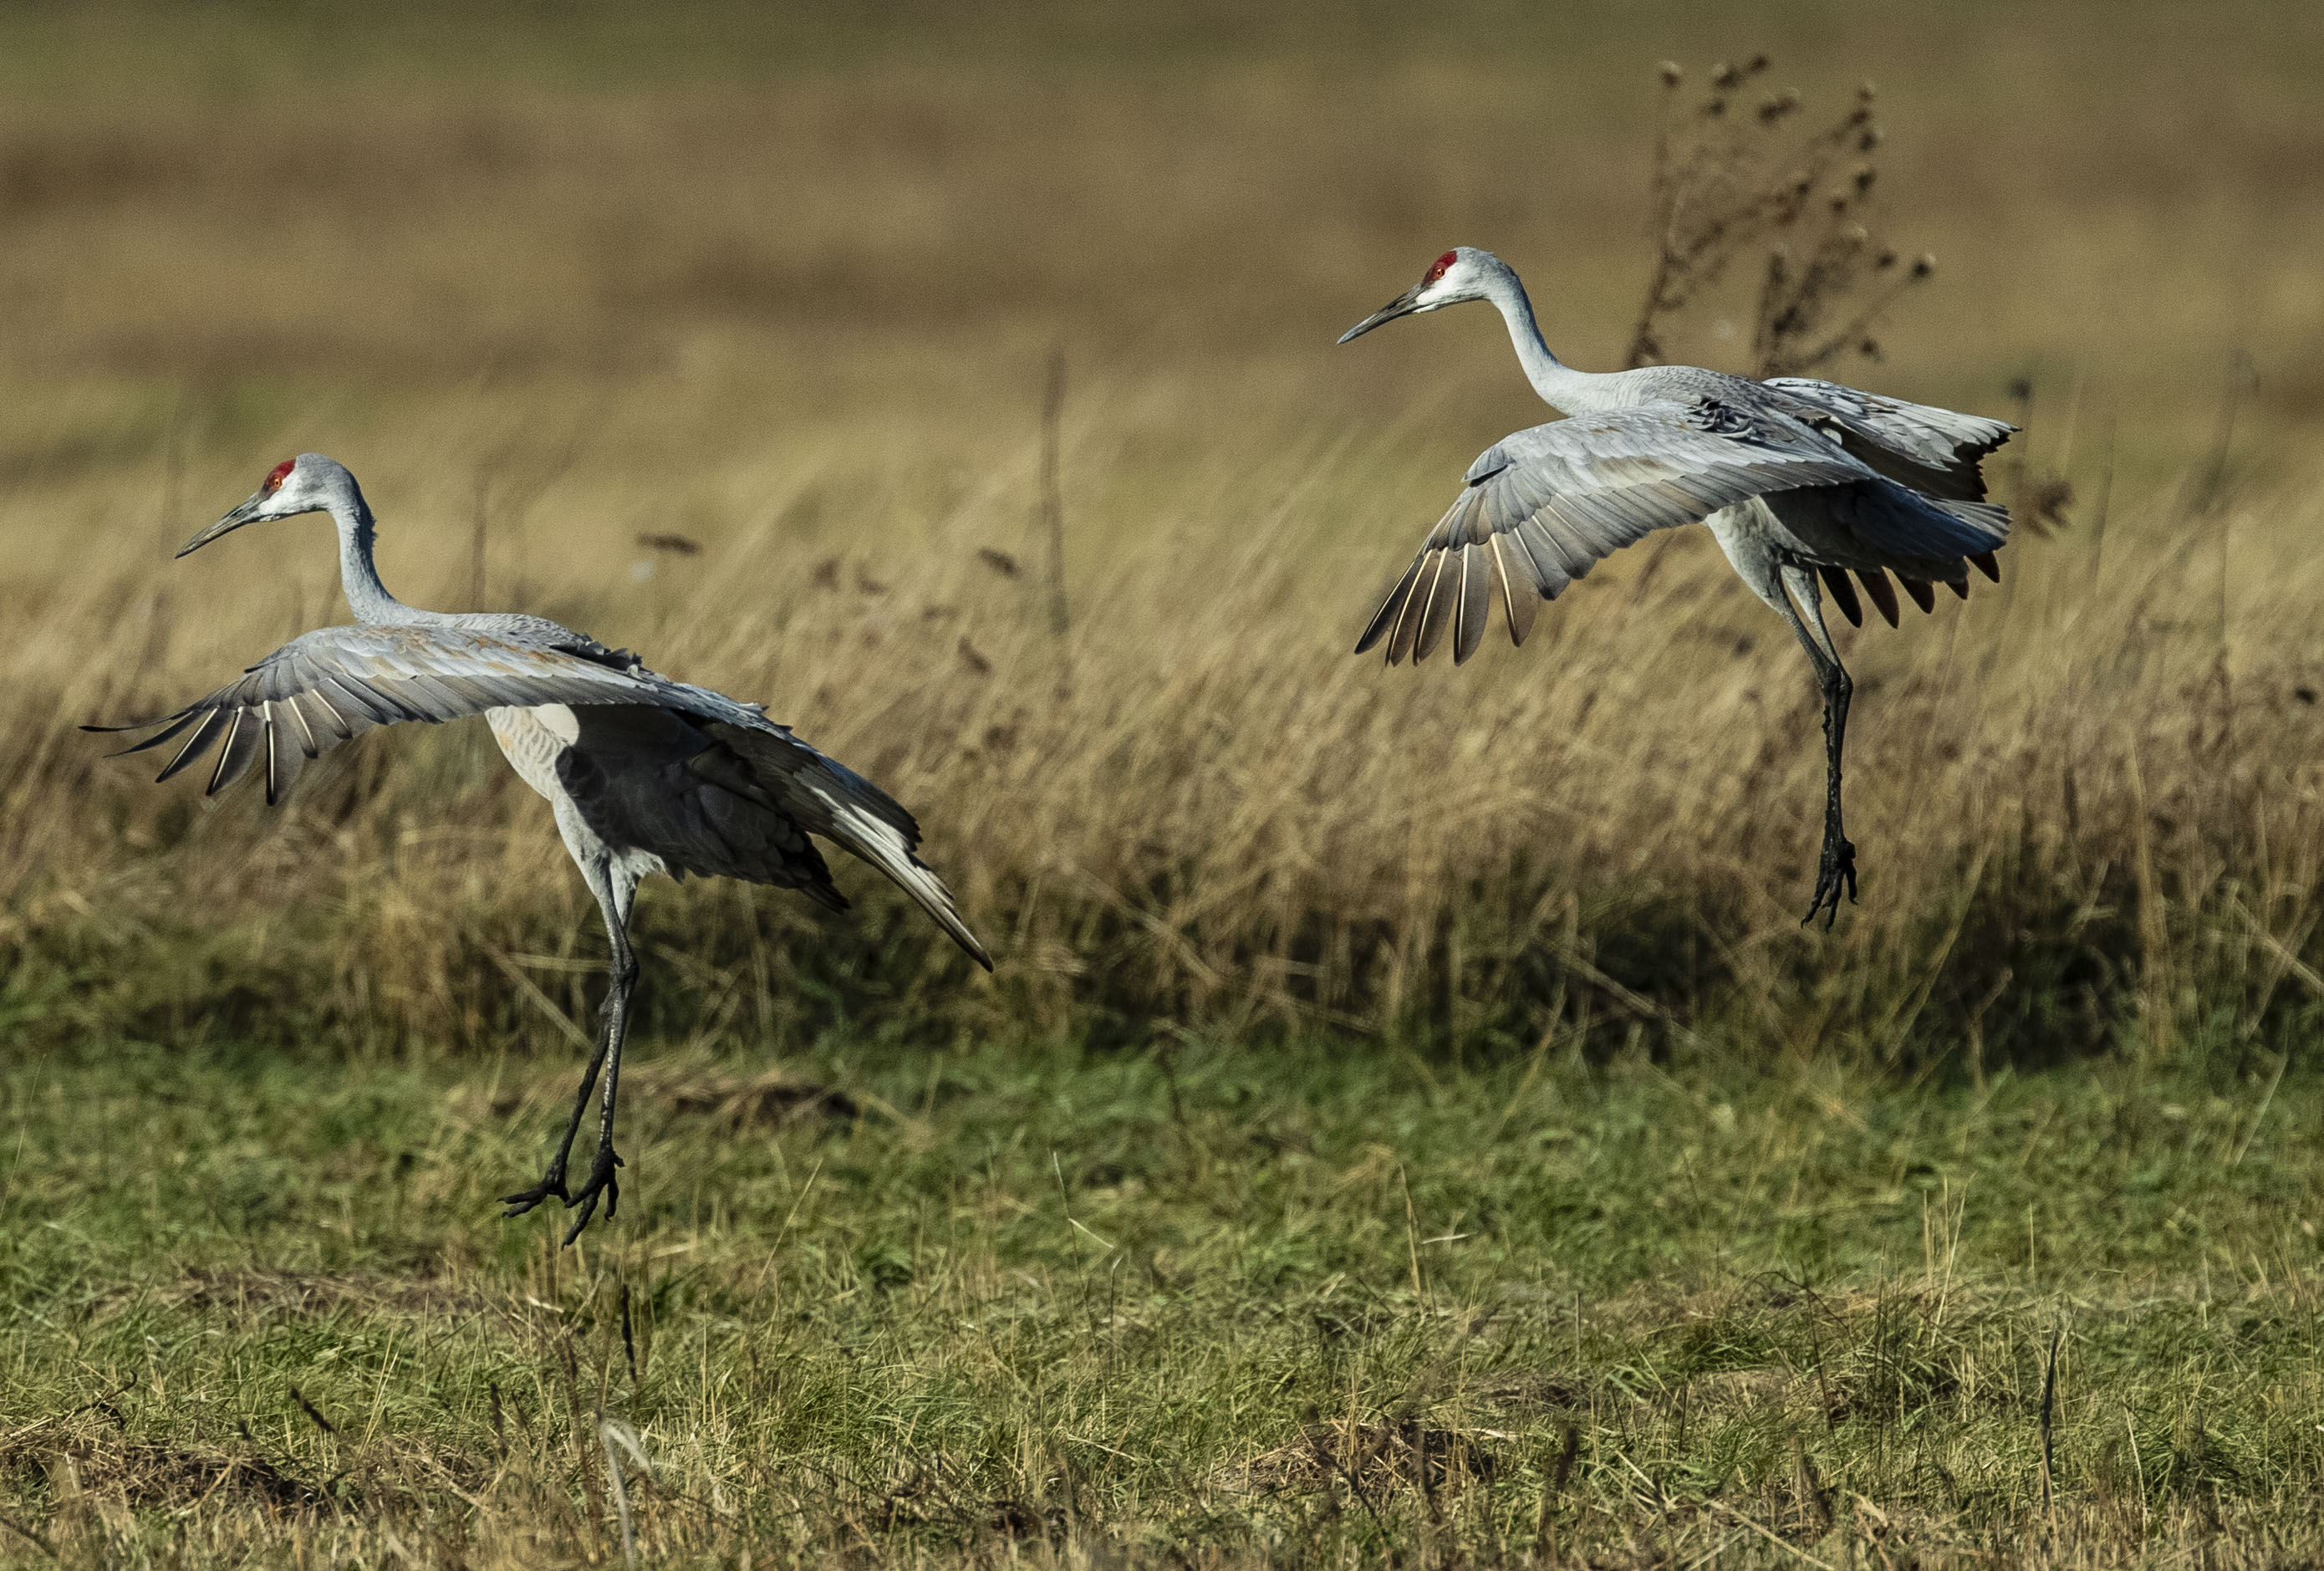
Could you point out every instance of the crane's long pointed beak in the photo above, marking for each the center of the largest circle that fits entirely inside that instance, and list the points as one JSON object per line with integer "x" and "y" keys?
{"x": 1402, "y": 305}
{"x": 226, "y": 525}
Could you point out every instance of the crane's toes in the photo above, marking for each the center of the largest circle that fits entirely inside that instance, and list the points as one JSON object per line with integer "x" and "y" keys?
{"x": 552, "y": 1182}
{"x": 601, "y": 1181}
{"x": 1836, "y": 871}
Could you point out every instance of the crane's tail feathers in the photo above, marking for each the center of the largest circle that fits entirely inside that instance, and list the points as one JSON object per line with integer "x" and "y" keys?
{"x": 873, "y": 837}
{"x": 1936, "y": 451}
{"x": 1922, "y": 539}
{"x": 1989, "y": 518}
{"x": 1898, "y": 521}
{"x": 829, "y": 798}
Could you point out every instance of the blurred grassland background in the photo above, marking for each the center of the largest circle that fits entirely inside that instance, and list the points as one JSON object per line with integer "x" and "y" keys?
{"x": 785, "y": 285}
{"x": 1408, "y": 1121}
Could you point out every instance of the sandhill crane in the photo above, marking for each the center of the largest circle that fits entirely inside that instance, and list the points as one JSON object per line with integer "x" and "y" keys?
{"x": 1798, "y": 479}
{"x": 643, "y": 773}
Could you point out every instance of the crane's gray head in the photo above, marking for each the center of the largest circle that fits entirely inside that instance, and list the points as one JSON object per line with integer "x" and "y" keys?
{"x": 1464, "y": 273}
{"x": 309, "y": 483}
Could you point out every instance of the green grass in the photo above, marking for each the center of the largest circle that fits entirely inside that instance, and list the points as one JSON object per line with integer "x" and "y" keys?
{"x": 1298, "y": 1305}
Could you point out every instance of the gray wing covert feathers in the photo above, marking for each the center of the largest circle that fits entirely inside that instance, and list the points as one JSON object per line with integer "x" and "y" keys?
{"x": 1542, "y": 507}
{"x": 334, "y": 683}
{"x": 1936, "y": 451}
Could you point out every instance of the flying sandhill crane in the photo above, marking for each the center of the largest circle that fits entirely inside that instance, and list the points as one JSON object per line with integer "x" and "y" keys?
{"x": 1799, "y": 480}
{"x": 644, "y": 774}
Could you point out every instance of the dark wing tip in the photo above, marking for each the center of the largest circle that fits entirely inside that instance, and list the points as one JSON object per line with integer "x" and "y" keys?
{"x": 1437, "y": 610}
{"x": 1843, "y": 594}
{"x": 169, "y": 725}
{"x": 1384, "y": 620}
{"x": 1475, "y": 603}
{"x": 1986, "y": 563}
{"x": 1405, "y": 639}
{"x": 1883, "y": 593}
{"x": 1520, "y": 598}
{"x": 204, "y": 733}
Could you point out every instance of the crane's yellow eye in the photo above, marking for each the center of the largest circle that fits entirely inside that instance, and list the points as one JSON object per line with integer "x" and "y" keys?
{"x": 279, "y": 474}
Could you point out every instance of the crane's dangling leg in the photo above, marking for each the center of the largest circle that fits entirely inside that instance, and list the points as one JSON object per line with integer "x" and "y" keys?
{"x": 552, "y": 1181}
{"x": 1836, "y": 865}
{"x": 615, "y": 887}
{"x": 613, "y": 884}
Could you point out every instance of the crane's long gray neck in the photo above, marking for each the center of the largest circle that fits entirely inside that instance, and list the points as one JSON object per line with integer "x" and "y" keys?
{"x": 1561, "y": 386}
{"x": 368, "y": 597}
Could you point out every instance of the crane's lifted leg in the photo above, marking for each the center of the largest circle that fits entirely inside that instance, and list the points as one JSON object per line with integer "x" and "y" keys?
{"x": 614, "y": 887}
{"x": 1836, "y": 865}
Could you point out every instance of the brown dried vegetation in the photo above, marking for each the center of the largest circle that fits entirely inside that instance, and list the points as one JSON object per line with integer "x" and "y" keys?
{"x": 1735, "y": 180}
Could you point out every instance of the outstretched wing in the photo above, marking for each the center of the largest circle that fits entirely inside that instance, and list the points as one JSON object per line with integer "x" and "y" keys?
{"x": 334, "y": 684}
{"x": 329, "y": 686}
{"x": 1542, "y": 507}
{"x": 826, "y": 797}
{"x": 1936, "y": 451}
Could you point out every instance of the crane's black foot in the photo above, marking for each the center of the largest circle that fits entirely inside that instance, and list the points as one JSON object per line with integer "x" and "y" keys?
{"x": 1835, "y": 868}
{"x": 552, "y": 1182}
{"x": 601, "y": 1180}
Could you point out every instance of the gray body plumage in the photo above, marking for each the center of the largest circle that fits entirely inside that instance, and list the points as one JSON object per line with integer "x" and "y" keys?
{"x": 644, "y": 774}
{"x": 1806, "y": 485}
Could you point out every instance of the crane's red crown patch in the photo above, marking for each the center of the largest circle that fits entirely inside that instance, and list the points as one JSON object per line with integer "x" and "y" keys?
{"x": 1438, "y": 268}
{"x": 279, "y": 474}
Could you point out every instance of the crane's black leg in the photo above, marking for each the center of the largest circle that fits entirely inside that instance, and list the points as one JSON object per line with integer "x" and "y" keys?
{"x": 1836, "y": 864}
{"x": 615, "y": 886}
{"x": 552, "y": 1181}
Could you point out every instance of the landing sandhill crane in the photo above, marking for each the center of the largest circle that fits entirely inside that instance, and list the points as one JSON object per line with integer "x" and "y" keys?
{"x": 1800, "y": 480}
{"x": 644, "y": 774}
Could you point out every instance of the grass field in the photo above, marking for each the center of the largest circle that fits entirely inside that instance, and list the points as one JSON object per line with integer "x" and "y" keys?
{"x": 1209, "y": 1306}
{"x": 1405, "y": 1112}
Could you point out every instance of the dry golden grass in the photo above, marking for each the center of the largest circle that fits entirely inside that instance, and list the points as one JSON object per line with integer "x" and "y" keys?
{"x": 2072, "y": 781}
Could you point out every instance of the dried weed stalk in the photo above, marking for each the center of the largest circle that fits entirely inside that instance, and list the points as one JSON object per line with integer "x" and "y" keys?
{"x": 1732, "y": 180}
